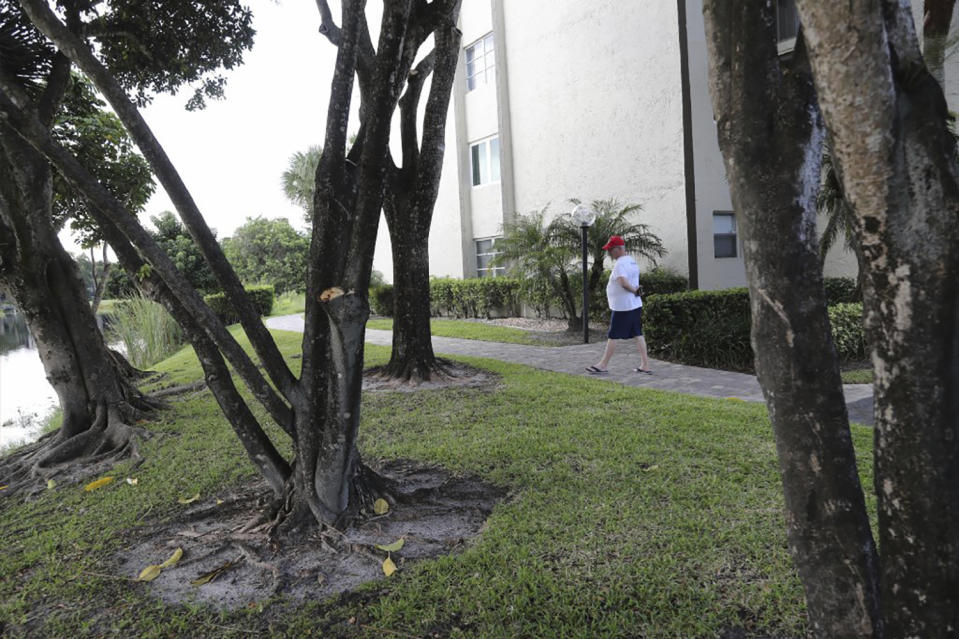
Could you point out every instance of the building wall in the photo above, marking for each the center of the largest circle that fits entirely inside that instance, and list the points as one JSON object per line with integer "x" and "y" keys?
{"x": 596, "y": 109}
{"x": 711, "y": 187}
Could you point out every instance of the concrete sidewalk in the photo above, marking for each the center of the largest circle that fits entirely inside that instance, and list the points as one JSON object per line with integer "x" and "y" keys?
{"x": 692, "y": 380}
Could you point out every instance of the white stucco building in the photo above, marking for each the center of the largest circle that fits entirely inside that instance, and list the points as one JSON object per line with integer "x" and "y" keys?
{"x": 556, "y": 99}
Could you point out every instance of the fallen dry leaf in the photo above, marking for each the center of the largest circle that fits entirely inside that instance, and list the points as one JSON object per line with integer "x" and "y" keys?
{"x": 189, "y": 500}
{"x": 175, "y": 557}
{"x": 149, "y": 573}
{"x": 93, "y": 485}
{"x": 388, "y": 567}
{"x": 381, "y": 506}
{"x": 394, "y": 547}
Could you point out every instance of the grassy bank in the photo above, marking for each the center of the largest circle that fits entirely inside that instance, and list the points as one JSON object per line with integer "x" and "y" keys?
{"x": 631, "y": 513}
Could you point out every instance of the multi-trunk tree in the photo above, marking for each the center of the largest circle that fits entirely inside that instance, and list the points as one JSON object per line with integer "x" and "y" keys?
{"x": 886, "y": 122}
{"x": 97, "y": 398}
{"x": 319, "y": 410}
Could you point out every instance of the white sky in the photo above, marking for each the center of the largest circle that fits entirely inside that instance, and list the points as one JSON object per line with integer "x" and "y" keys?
{"x": 231, "y": 155}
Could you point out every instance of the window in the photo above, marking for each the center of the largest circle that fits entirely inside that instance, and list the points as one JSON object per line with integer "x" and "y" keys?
{"x": 787, "y": 25}
{"x": 485, "y": 252}
{"x": 484, "y": 159}
{"x": 724, "y": 234}
{"x": 480, "y": 63}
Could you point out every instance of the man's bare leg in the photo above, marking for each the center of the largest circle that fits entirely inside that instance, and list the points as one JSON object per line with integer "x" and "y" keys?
{"x": 607, "y": 355}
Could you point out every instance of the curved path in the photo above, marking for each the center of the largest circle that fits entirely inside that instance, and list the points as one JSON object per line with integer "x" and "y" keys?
{"x": 692, "y": 380}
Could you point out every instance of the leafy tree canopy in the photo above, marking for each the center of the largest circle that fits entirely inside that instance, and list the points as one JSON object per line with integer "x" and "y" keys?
{"x": 97, "y": 138}
{"x": 159, "y": 46}
{"x": 174, "y": 239}
{"x": 269, "y": 252}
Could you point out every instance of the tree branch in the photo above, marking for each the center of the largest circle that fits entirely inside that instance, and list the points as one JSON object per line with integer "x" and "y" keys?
{"x": 34, "y": 133}
{"x": 48, "y": 23}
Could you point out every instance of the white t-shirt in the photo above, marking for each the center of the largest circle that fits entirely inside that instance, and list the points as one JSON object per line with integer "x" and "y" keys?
{"x": 619, "y": 298}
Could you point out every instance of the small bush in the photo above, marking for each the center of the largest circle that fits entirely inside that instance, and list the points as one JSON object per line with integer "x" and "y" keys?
{"x": 381, "y": 300}
{"x": 841, "y": 290}
{"x": 847, "y": 331}
{"x": 261, "y": 296}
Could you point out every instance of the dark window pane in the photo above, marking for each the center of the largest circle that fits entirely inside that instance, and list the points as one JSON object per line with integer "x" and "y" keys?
{"x": 787, "y": 19}
{"x": 724, "y": 246}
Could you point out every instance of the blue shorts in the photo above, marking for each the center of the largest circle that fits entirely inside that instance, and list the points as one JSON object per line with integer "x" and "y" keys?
{"x": 626, "y": 324}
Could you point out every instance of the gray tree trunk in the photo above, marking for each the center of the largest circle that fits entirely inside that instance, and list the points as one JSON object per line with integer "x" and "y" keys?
{"x": 96, "y": 398}
{"x": 888, "y": 124}
{"x": 408, "y": 207}
{"x": 771, "y": 138}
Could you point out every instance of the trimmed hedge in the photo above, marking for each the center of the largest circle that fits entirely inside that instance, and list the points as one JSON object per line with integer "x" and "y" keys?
{"x": 261, "y": 296}
{"x": 711, "y": 329}
{"x": 700, "y": 328}
{"x": 475, "y": 297}
{"x": 381, "y": 300}
{"x": 659, "y": 281}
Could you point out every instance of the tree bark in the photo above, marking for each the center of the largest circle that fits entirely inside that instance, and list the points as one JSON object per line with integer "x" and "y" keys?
{"x": 887, "y": 119}
{"x": 408, "y": 207}
{"x": 97, "y": 400}
{"x": 771, "y": 138}
{"x": 935, "y": 30}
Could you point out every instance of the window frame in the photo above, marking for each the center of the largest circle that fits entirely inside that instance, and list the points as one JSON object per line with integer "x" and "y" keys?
{"x": 490, "y": 170}
{"x": 786, "y": 44}
{"x": 488, "y": 271}
{"x": 725, "y": 237}
{"x": 471, "y": 56}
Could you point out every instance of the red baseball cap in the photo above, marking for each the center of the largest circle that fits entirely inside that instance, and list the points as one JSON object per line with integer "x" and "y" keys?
{"x": 614, "y": 240}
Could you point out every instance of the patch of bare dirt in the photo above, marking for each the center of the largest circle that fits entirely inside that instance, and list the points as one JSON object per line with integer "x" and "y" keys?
{"x": 456, "y": 375}
{"x": 435, "y": 513}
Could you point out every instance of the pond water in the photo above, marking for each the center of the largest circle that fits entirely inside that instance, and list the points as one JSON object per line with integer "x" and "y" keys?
{"x": 26, "y": 398}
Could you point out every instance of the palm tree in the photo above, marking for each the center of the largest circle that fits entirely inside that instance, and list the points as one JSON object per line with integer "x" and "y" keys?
{"x": 299, "y": 178}
{"x": 831, "y": 202}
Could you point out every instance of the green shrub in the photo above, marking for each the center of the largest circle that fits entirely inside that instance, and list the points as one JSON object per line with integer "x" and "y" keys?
{"x": 381, "y": 300}
{"x": 841, "y": 290}
{"x": 711, "y": 329}
{"x": 847, "y": 331}
{"x": 475, "y": 297}
{"x": 261, "y": 296}
{"x": 659, "y": 281}
{"x": 700, "y": 328}
{"x": 147, "y": 331}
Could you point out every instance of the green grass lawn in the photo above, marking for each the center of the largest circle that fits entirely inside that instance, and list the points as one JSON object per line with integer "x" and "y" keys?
{"x": 631, "y": 512}
{"x": 858, "y": 376}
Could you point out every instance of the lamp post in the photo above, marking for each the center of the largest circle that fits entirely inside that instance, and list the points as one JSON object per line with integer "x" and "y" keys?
{"x": 584, "y": 216}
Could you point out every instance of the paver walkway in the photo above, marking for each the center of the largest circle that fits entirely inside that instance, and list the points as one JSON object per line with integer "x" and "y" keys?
{"x": 693, "y": 380}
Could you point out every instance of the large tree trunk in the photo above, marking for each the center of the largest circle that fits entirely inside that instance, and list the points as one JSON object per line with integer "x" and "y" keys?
{"x": 771, "y": 138}
{"x": 412, "y": 357}
{"x": 408, "y": 206}
{"x": 888, "y": 121}
{"x": 97, "y": 398}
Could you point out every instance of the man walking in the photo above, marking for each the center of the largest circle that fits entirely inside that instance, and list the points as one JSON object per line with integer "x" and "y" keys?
{"x": 622, "y": 292}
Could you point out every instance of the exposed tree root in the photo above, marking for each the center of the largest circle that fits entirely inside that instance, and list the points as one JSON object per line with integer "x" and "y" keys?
{"x": 177, "y": 390}
{"x": 93, "y": 451}
{"x": 414, "y": 371}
